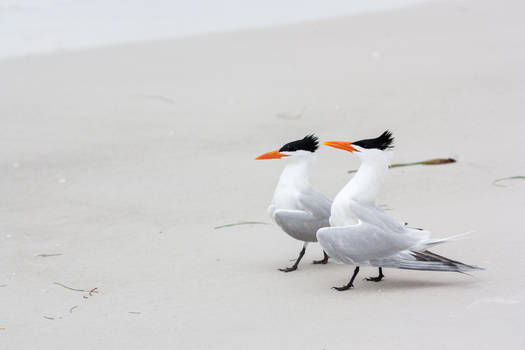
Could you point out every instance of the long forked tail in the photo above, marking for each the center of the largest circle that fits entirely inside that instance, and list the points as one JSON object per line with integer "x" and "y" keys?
{"x": 424, "y": 245}
{"x": 428, "y": 261}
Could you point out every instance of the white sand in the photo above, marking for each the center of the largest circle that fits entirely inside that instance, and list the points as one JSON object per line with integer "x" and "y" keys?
{"x": 124, "y": 159}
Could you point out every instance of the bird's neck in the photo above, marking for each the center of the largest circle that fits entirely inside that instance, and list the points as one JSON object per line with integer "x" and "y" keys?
{"x": 366, "y": 183}
{"x": 295, "y": 174}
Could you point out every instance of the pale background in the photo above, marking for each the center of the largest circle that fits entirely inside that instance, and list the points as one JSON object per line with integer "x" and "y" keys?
{"x": 124, "y": 158}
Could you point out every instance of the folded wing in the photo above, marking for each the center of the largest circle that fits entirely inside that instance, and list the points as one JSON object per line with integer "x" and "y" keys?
{"x": 375, "y": 236}
{"x": 362, "y": 242}
{"x": 315, "y": 203}
{"x": 299, "y": 224}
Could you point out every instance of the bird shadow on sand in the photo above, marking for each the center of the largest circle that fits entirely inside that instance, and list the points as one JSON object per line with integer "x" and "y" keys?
{"x": 402, "y": 284}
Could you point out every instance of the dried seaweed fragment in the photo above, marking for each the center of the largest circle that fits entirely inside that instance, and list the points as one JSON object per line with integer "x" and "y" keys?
{"x": 241, "y": 223}
{"x": 435, "y": 161}
{"x": 495, "y": 182}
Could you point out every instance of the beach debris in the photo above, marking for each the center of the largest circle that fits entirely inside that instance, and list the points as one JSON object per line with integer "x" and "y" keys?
{"x": 72, "y": 308}
{"x": 3, "y": 285}
{"x": 495, "y": 182}
{"x": 49, "y": 255}
{"x": 49, "y": 317}
{"x": 241, "y": 223}
{"x": 289, "y": 116}
{"x": 89, "y": 291}
{"x": 435, "y": 161}
{"x": 135, "y": 312}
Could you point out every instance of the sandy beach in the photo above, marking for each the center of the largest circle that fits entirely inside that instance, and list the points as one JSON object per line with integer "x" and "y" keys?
{"x": 120, "y": 162}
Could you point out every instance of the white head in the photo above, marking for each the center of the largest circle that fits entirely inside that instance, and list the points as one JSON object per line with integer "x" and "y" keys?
{"x": 295, "y": 151}
{"x": 376, "y": 151}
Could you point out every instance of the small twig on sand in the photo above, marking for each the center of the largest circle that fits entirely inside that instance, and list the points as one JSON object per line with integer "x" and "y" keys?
{"x": 72, "y": 308}
{"x": 242, "y": 223}
{"x": 48, "y": 255}
{"x": 49, "y": 318}
{"x": 89, "y": 291}
{"x": 435, "y": 161}
{"x": 495, "y": 182}
{"x": 134, "y": 312}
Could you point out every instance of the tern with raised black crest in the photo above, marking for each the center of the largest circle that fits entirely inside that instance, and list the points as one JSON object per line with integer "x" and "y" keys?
{"x": 296, "y": 207}
{"x": 362, "y": 234}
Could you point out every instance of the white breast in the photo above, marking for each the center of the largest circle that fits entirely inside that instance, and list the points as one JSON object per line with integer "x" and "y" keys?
{"x": 341, "y": 214}
{"x": 285, "y": 197}
{"x": 293, "y": 180}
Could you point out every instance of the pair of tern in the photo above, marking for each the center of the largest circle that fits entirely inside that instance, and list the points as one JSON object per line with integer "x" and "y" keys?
{"x": 352, "y": 229}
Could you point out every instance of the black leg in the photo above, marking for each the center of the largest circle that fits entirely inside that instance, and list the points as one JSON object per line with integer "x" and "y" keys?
{"x": 351, "y": 283}
{"x": 378, "y": 278}
{"x": 324, "y": 261}
{"x": 294, "y": 267}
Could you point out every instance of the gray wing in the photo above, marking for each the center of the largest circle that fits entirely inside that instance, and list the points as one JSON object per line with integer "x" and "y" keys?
{"x": 362, "y": 242}
{"x": 370, "y": 213}
{"x": 375, "y": 236}
{"x": 317, "y": 204}
{"x": 299, "y": 224}
{"x": 379, "y": 240}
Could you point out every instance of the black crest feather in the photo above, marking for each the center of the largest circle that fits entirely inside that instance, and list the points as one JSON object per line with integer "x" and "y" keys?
{"x": 308, "y": 143}
{"x": 384, "y": 141}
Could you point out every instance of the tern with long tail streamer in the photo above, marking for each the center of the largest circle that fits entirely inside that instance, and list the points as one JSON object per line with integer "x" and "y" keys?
{"x": 362, "y": 234}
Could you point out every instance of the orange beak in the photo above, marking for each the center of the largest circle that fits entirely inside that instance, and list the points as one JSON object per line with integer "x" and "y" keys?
{"x": 271, "y": 155}
{"x": 347, "y": 146}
